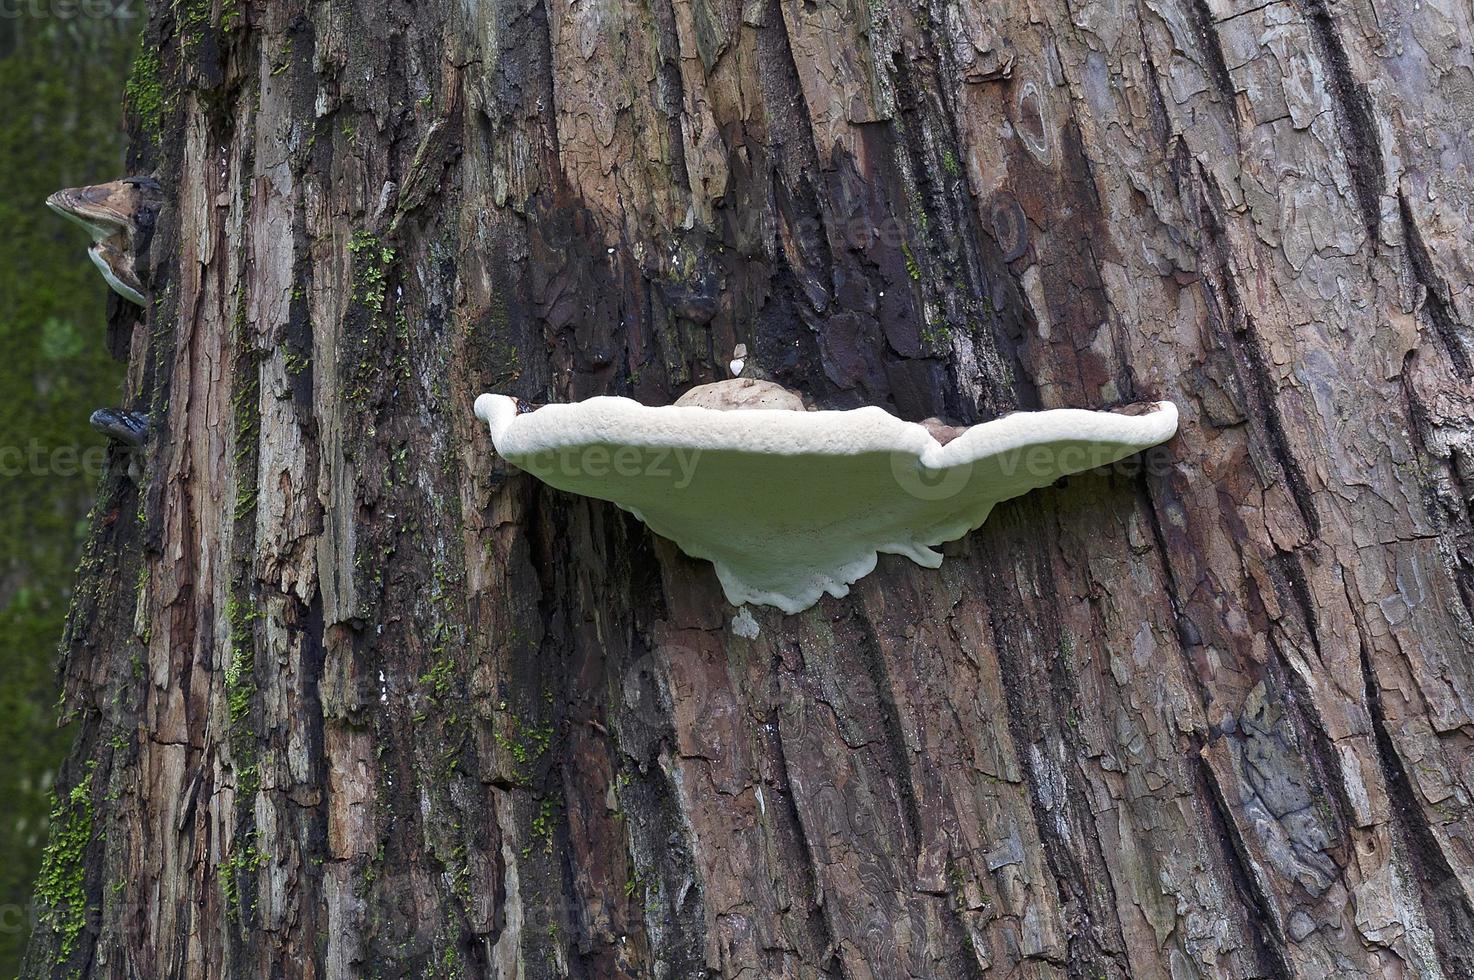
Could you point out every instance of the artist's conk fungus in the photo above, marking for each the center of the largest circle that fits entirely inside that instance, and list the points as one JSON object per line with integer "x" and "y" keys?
{"x": 789, "y": 504}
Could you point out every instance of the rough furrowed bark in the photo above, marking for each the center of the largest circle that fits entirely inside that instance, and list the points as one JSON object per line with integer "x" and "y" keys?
{"x": 360, "y": 700}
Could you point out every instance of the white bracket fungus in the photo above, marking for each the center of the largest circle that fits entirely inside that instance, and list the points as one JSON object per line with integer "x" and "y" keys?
{"x": 789, "y": 504}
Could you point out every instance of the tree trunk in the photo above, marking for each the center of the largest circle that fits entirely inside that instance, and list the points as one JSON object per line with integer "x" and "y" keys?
{"x": 358, "y": 699}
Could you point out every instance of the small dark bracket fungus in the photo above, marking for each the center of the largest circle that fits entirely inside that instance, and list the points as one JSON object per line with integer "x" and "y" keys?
{"x": 127, "y": 428}
{"x": 790, "y": 504}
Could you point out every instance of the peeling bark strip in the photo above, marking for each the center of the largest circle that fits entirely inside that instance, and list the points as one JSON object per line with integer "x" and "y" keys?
{"x": 357, "y": 699}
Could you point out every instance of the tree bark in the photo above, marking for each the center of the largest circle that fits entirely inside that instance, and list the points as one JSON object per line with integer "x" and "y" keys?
{"x": 357, "y": 699}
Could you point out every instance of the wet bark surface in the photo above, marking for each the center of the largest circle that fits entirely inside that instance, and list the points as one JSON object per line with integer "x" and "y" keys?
{"x": 357, "y": 699}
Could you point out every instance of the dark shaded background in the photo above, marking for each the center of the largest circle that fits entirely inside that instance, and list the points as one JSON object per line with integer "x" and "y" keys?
{"x": 62, "y": 70}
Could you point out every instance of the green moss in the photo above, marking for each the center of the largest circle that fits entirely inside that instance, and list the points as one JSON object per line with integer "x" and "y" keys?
{"x": 245, "y": 858}
{"x": 936, "y": 333}
{"x": 372, "y": 260}
{"x": 231, "y": 16}
{"x": 277, "y": 67}
{"x": 956, "y": 878}
{"x": 240, "y": 610}
{"x": 295, "y": 362}
{"x": 240, "y": 694}
{"x": 369, "y": 329}
{"x": 145, "y": 92}
{"x": 193, "y": 19}
{"x": 61, "y": 888}
{"x": 524, "y": 743}
{"x": 245, "y": 501}
{"x": 912, "y": 269}
{"x": 448, "y": 966}
{"x": 544, "y": 823}
{"x": 242, "y": 645}
{"x": 402, "y": 335}
{"x": 439, "y": 678}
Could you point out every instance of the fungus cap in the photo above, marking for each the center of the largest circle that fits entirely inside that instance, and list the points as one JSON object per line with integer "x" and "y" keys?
{"x": 788, "y": 505}
{"x": 120, "y": 217}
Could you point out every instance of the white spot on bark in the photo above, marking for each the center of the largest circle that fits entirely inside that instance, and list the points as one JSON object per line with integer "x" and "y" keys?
{"x": 744, "y": 625}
